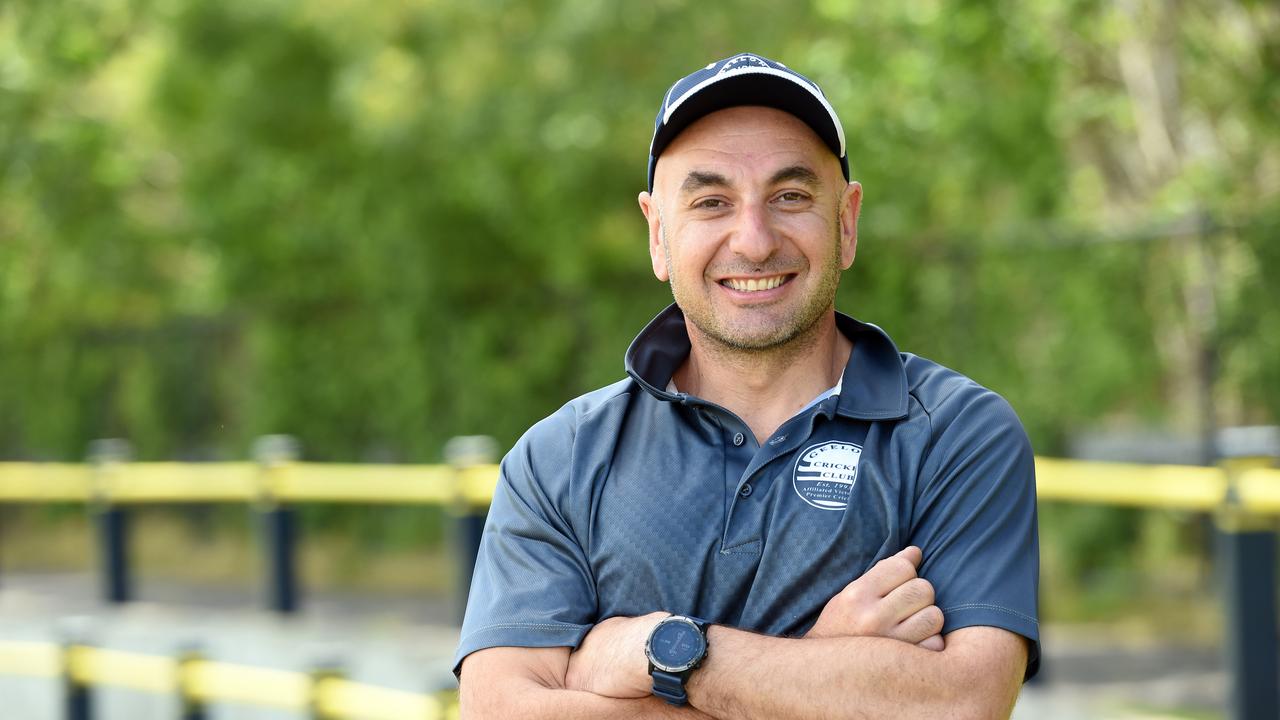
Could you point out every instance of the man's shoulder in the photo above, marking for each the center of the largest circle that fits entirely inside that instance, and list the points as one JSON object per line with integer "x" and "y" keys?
{"x": 969, "y": 432}
{"x": 945, "y": 395}
{"x": 597, "y": 406}
{"x": 588, "y": 417}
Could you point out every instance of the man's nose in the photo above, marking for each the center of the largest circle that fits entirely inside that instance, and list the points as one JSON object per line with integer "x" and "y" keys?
{"x": 753, "y": 235}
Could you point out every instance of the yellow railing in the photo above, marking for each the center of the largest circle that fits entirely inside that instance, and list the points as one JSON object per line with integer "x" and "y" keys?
{"x": 156, "y": 482}
{"x": 1248, "y": 490}
{"x": 207, "y": 681}
{"x": 1159, "y": 486}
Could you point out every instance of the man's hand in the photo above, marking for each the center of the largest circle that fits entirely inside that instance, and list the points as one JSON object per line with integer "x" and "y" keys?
{"x": 886, "y": 601}
{"x": 889, "y": 601}
{"x": 611, "y": 660}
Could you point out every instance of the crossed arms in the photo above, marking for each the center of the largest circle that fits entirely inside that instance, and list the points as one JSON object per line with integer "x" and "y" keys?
{"x": 874, "y": 652}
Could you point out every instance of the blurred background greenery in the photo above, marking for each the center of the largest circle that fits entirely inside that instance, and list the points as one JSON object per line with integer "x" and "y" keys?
{"x": 374, "y": 226}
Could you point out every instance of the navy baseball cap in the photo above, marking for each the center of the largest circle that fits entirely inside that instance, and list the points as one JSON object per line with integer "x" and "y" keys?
{"x": 745, "y": 79}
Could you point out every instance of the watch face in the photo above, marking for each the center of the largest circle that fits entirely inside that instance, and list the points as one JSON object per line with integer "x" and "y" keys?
{"x": 676, "y": 645}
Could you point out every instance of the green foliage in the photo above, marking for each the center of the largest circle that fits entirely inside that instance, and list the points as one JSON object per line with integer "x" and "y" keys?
{"x": 378, "y": 226}
{"x": 1145, "y": 567}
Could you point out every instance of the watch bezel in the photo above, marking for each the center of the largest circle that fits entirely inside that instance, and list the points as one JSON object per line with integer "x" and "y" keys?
{"x": 648, "y": 645}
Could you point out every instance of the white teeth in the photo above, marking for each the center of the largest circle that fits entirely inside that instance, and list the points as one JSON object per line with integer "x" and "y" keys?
{"x": 756, "y": 284}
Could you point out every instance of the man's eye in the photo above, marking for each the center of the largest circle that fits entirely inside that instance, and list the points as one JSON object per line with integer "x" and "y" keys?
{"x": 709, "y": 203}
{"x": 793, "y": 196}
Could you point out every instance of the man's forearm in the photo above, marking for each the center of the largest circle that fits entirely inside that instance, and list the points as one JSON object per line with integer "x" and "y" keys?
{"x": 757, "y": 676}
{"x": 536, "y": 703}
{"x": 506, "y": 683}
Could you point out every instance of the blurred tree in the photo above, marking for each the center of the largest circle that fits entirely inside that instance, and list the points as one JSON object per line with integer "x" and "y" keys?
{"x": 376, "y": 226}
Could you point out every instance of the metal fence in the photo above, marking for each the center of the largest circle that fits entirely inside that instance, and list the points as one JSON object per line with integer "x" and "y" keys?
{"x": 323, "y": 693}
{"x": 1242, "y": 494}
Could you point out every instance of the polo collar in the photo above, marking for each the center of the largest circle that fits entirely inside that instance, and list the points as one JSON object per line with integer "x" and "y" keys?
{"x": 874, "y": 384}
{"x": 875, "y": 380}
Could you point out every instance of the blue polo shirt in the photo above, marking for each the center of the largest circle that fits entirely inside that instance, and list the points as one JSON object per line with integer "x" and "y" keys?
{"x": 633, "y": 499}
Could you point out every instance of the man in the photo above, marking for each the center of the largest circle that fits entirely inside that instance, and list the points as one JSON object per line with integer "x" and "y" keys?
{"x": 777, "y": 514}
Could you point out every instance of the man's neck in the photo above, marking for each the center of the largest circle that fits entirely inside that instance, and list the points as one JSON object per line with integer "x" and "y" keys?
{"x": 765, "y": 387}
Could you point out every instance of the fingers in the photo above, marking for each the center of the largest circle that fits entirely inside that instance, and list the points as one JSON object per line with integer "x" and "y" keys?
{"x": 911, "y": 554}
{"x": 920, "y": 626}
{"x": 933, "y": 642}
{"x": 889, "y": 573}
{"x": 913, "y": 595}
{"x": 888, "y": 600}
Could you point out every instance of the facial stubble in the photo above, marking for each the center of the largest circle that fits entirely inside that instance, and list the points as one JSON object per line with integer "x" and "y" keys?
{"x": 794, "y": 336}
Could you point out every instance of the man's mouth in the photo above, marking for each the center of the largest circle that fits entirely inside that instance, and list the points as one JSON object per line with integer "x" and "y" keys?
{"x": 755, "y": 284}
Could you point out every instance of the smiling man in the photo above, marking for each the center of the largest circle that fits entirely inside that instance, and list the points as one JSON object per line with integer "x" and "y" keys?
{"x": 777, "y": 514}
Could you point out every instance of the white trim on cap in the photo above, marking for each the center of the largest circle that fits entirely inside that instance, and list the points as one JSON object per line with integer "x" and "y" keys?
{"x": 752, "y": 69}
{"x": 665, "y": 99}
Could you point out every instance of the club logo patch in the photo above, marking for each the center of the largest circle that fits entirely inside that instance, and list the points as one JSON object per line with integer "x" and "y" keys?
{"x": 825, "y": 474}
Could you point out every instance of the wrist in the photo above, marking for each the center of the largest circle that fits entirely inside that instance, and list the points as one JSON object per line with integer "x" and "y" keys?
{"x": 675, "y": 648}
{"x": 697, "y": 681}
{"x": 643, "y": 683}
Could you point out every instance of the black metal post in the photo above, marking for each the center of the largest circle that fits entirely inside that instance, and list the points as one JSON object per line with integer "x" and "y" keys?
{"x": 1247, "y": 557}
{"x": 278, "y": 523}
{"x": 279, "y": 533}
{"x": 462, "y": 453}
{"x": 76, "y": 696}
{"x": 112, "y": 520}
{"x": 1249, "y": 600}
{"x": 469, "y": 529}
{"x": 113, "y": 549}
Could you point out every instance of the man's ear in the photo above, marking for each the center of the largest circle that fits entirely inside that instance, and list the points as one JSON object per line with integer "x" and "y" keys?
{"x": 657, "y": 253}
{"x": 850, "y": 206}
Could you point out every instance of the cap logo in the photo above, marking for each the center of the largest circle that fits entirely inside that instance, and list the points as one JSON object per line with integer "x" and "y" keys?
{"x": 741, "y": 61}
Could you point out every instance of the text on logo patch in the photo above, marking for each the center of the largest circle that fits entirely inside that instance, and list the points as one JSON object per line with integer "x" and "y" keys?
{"x": 825, "y": 474}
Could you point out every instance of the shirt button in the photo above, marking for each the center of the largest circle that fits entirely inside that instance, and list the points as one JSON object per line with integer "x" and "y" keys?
{"x": 745, "y": 490}
{"x": 738, "y": 439}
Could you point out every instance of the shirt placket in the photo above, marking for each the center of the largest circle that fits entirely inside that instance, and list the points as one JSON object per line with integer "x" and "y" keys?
{"x": 747, "y": 473}
{"x": 739, "y": 449}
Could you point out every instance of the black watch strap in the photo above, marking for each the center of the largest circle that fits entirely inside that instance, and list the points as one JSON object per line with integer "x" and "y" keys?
{"x": 670, "y": 687}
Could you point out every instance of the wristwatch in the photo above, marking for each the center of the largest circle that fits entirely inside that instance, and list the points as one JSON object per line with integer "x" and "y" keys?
{"x": 675, "y": 648}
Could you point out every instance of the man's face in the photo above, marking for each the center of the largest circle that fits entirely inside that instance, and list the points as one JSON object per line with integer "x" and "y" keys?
{"x": 752, "y": 222}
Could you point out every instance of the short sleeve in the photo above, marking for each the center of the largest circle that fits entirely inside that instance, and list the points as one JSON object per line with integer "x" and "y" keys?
{"x": 532, "y": 584}
{"x": 975, "y": 518}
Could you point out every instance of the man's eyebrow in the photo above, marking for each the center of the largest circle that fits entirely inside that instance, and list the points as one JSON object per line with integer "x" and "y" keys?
{"x": 796, "y": 173}
{"x": 698, "y": 179}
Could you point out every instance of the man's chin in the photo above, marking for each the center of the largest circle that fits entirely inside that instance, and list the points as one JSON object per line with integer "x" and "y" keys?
{"x": 760, "y": 328}
{"x": 753, "y": 339}
{"x": 759, "y": 332}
